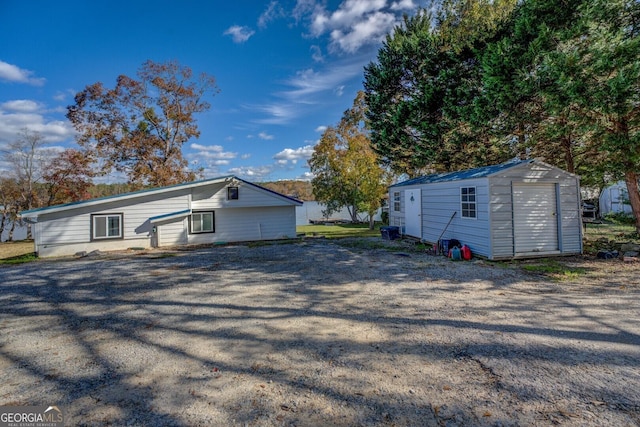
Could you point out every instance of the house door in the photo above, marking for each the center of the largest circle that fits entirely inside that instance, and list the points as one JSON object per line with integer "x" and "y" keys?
{"x": 413, "y": 213}
{"x": 535, "y": 218}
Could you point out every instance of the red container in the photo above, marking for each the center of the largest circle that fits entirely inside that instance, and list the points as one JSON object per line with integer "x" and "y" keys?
{"x": 466, "y": 252}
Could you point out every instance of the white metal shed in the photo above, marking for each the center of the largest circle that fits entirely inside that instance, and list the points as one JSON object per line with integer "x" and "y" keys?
{"x": 615, "y": 199}
{"x": 518, "y": 209}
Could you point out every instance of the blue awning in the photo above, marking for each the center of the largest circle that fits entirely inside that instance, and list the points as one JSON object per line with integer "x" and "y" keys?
{"x": 170, "y": 216}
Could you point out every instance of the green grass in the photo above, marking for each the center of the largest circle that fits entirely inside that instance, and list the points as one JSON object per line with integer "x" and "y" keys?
{"x": 19, "y": 259}
{"x": 338, "y": 231}
{"x": 554, "y": 269}
{"x": 12, "y": 251}
{"x": 610, "y": 231}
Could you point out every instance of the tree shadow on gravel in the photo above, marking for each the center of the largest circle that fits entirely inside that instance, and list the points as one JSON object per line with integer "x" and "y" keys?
{"x": 305, "y": 334}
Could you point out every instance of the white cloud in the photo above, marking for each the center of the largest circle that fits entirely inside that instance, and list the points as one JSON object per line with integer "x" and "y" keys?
{"x": 21, "y": 106}
{"x": 291, "y": 155}
{"x": 15, "y": 74}
{"x": 239, "y": 34}
{"x": 265, "y": 136}
{"x": 304, "y": 7}
{"x": 13, "y": 123}
{"x": 403, "y": 5}
{"x": 348, "y": 13}
{"x": 63, "y": 95}
{"x": 355, "y": 23}
{"x": 279, "y": 113}
{"x": 305, "y": 88}
{"x": 316, "y": 53}
{"x": 371, "y": 29}
{"x": 212, "y": 153}
{"x": 272, "y": 12}
{"x": 339, "y": 90}
{"x": 200, "y": 147}
{"x": 253, "y": 173}
{"x": 307, "y": 176}
{"x": 309, "y": 82}
{"x": 321, "y": 128}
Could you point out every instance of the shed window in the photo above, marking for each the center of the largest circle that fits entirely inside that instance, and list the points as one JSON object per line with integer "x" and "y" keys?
{"x": 202, "y": 222}
{"x": 396, "y": 201}
{"x": 468, "y": 202}
{"x": 106, "y": 226}
{"x": 232, "y": 193}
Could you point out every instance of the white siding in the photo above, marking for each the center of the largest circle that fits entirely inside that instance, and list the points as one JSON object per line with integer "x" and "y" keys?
{"x": 68, "y": 232}
{"x": 249, "y": 196}
{"x": 258, "y": 214}
{"x": 441, "y": 200}
{"x": 173, "y": 233}
{"x": 396, "y": 218}
{"x": 248, "y": 224}
{"x": 491, "y": 234}
{"x": 570, "y": 230}
{"x": 535, "y": 216}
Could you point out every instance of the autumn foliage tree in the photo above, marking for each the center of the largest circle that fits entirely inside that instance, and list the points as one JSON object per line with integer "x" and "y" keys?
{"x": 68, "y": 177}
{"x": 140, "y": 126}
{"x": 346, "y": 168}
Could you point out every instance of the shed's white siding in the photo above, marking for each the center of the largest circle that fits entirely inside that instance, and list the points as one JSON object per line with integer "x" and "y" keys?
{"x": 570, "y": 221}
{"x": 441, "y": 200}
{"x": 615, "y": 199}
{"x": 492, "y": 233}
{"x": 396, "y": 217}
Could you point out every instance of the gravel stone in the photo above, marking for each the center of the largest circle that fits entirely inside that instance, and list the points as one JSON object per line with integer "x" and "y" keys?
{"x": 355, "y": 332}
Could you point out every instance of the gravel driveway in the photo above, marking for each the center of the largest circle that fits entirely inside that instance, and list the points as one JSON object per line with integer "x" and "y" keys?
{"x": 319, "y": 333}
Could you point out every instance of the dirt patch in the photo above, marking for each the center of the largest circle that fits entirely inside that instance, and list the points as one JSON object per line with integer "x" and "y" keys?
{"x": 320, "y": 333}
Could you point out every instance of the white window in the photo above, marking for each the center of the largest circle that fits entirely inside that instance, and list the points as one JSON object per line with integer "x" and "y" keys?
{"x": 468, "y": 202}
{"x": 396, "y": 201}
{"x": 202, "y": 222}
{"x": 106, "y": 226}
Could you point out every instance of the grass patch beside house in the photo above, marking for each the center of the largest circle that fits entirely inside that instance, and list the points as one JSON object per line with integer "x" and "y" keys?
{"x": 337, "y": 231}
{"x": 17, "y": 252}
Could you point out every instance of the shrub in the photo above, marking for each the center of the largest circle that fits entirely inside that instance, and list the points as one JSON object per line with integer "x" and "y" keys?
{"x": 620, "y": 218}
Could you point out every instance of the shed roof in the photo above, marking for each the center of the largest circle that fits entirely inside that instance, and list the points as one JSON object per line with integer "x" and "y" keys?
{"x": 464, "y": 174}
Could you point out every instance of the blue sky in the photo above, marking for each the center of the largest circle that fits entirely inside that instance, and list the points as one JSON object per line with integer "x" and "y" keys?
{"x": 285, "y": 69}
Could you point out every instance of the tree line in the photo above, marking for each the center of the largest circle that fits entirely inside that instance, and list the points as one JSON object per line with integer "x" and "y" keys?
{"x": 479, "y": 82}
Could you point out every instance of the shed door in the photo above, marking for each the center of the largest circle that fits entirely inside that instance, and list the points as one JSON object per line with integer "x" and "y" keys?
{"x": 535, "y": 218}
{"x": 413, "y": 213}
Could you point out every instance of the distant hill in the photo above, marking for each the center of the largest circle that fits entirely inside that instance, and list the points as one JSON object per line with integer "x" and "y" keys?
{"x": 297, "y": 189}
{"x": 300, "y": 190}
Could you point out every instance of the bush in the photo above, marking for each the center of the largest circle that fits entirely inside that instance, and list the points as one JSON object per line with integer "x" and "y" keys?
{"x": 384, "y": 216}
{"x": 620, "y": 218}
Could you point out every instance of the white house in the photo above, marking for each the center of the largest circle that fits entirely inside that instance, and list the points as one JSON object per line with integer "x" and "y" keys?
{"x": 226, "y": 209}
{"x": 516, "y": 209}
